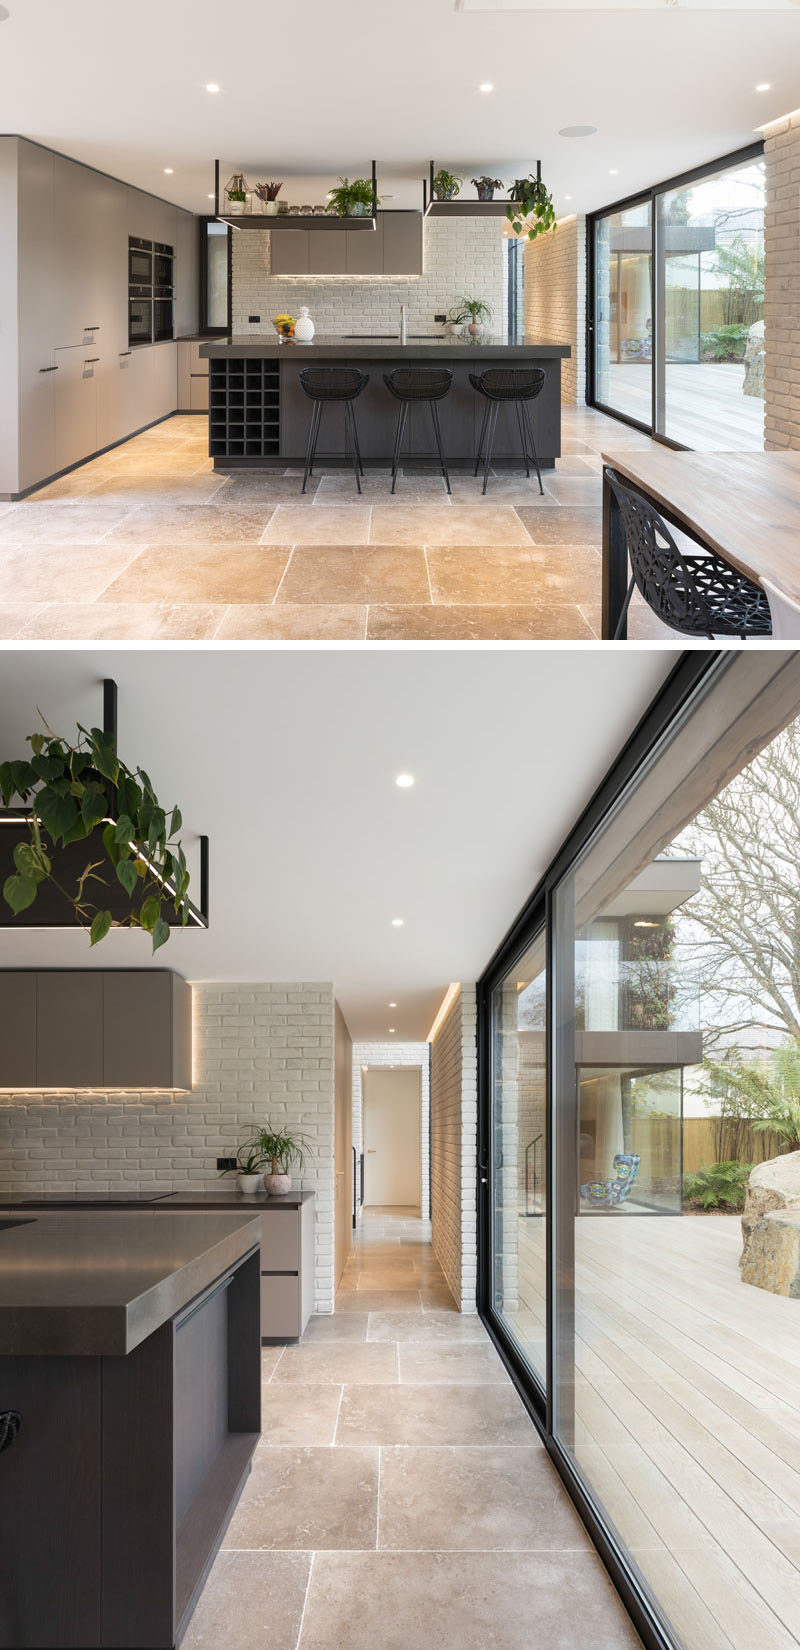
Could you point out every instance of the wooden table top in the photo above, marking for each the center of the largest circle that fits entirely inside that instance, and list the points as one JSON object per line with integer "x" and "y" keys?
{"x": 744, "y": 505}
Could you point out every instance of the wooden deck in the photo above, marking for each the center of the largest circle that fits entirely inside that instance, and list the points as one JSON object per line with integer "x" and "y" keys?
{"x": 705, "y": 405}
{"x": 687, "y": 1418}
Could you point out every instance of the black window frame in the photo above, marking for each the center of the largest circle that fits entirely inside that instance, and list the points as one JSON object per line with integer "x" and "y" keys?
{"x": 202, "y": 271}
{"x": 643, "y": 197}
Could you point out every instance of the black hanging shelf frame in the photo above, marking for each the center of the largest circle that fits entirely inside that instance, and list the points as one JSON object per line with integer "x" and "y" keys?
{"x": 50, "y": 909}
{"x": 459, "y": 208}
{"x": 297, "y": 220}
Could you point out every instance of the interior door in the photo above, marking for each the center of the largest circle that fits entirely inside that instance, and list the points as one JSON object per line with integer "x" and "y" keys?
{"x": 392, "y": 1138}
{"x": 343, "y": 1143}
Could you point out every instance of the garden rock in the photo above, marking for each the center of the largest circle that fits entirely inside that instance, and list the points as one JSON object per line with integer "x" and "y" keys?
{"x": 772, "y": 1258}
{"x": 754, "y": 361}
{"x": 774, "y": 1185}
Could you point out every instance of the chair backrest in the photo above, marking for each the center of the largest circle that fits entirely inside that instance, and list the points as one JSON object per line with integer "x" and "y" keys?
{"x": 660, "y": 571}
{"x": 509, "y": 383}
{"x": 784, "y": 612}
{"x": 418, "y": 383}
{"x": 333, "y": 383}
{"x": 626, "y": 1170}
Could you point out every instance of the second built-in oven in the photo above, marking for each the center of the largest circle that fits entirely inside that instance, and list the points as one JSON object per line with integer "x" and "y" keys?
{"x": 140, "y": 262}
{"x": 140, "y": 315}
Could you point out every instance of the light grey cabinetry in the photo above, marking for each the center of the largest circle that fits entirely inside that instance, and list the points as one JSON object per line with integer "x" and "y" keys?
{"x": 192, "y": 378}
{"x": 365, "y": 251}
{"x": 38, "y": 265}
{"x": 394, "y": 248}
{"x": 88, "y": 297}
{"x": 77, "y": 379}
{"x": 88, "y": 1028}
{"x": 402, "y": 243}
{"x": 69, "y": 1030}
{"x": 18, "y": 1030}
{"x": 147, "y": 1029}
{"x": 287, "y": 1271}
{"x": 289, "y": 251}
{"x": 327, "y": 251}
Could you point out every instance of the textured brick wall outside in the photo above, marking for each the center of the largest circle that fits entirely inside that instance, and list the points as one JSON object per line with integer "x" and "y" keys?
{"x": 460, "y": 256}
{"x": 454, "y": 1122}
{"x": 260, "y": 1051}
{"x": 782, "y": 283}
{"x": 555, "y": 299}
{"x": 397, "y": 1054}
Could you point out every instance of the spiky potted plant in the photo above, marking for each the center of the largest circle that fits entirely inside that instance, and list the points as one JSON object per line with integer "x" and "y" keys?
{"x": 531, "y": 210}
{"x": 268, "y": 195}
{"x": 479, "y": 311}
{"x": 249, "y": 1167}
{"x": 280, "y": 1149}
{"x": 486, "y": 186}
{"x": 446, "y": 185}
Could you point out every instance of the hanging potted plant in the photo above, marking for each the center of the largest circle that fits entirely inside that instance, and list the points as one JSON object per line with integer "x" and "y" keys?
{"x": 486, "y": 187}
{"x": 236, "y": 191}
{"x": 280, "y": 1149}
{"x": 532, "y": 210}
{"x": 351, "y": 200}
{"x": 446, "y": 185}
{"x": 82, "y": 792}
{"x": 480, "y": 312}
{"x": 268, "y": 196}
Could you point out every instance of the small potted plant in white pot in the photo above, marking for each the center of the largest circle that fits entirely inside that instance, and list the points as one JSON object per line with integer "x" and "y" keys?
{"x": 268, "y": 195}
{"x": 479, "y": 311}
{"x": 455, "y": 320}
{"x": 280, "y": 1150}
{"x": 249, "y": 1167}
{"x": 236, "y": 191}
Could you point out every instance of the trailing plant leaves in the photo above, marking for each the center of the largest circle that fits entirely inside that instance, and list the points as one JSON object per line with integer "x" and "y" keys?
{"x": 127, "y": 874}
{"x": 157, "y": 828}
{"x": 111, "y": 845}
{"x": 160, "y": 933}
{"x": 149, "y": 913}
{"x": 48, "y": 767}
{"x": 93, "y": 807}
{"x": 56, "y": 811}
{"x": 177, "y": 821}
{"x": 105, "y": 760}
{"x": 29, "y": 862}
{"x": 124, "y": 829}
{"x": 19, "y": 892}
{"x": 76, "y": 832}
{"x": 101, "y": 922}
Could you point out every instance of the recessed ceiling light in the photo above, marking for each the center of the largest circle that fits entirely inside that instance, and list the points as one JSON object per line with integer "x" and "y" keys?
{"x": 169, "y": 171}
{"x": 486, "y": 86}
{"x": 212, "y": 86}
{"x": 577, "y": 131}
{"x": 397, "y": 922}
{"x": 764, "y": 86}
{"x": 404, "y": 781}
{"x": 568, "y": 197}
{"x": 392, "y": 1005}
{"x": 391, "y": 1031}
{"x": 211, "y": 197}
{"x": 613, "y": 171}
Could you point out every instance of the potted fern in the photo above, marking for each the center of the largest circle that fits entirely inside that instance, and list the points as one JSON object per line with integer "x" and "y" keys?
{"x": 280, "y": 1149}
{"x": 351, "y": 200}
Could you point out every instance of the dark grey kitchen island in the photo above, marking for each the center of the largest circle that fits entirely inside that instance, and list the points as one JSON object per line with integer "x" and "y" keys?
{"x": 259, "y": 416}
{"x": 130, "y": 1348}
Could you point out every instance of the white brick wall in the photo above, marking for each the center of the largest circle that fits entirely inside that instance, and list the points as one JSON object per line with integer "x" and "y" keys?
{"x": 782, "y": 294}
{"x": 397, "y": 1054}
{"x": 260, "y": 1051}
{"x": 461, "y": 256}
{"x": 454, "y": 1123}
{"x": 555, "y": 299}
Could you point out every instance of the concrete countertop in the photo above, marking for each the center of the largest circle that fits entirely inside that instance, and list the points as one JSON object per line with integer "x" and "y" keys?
{"x": 225, "y": 1196}
{"x": 77, "y": 1284}
{"x": 380, "y": 348}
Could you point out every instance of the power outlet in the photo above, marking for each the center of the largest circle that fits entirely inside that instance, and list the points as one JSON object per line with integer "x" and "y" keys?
{"x": 226, "y": 1162}
{"x": 254, "y": 317}
{"x": 441, "y": 318}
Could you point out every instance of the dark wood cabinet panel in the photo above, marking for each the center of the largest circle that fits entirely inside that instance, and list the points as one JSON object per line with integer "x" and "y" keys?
{"x": 69, "y": 1030}
{"x": 18, "y": 1031}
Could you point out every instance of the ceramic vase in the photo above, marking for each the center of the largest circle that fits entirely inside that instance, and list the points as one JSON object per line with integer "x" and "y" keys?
{"x": 270, "y": 209}
{"x": 304, "y": 327}
{"x": 236, "y": 209}
{"x": 249, "y": 1183}
{"x": 475, "y": 329}
{"x": 277, "y": 1185}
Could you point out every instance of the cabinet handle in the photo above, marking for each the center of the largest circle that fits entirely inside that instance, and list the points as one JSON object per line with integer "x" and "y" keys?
{"x": 95, "y": 328}
{"x": 91, "y": 360}
{"x": 125, "y": 352}
{"x": 48, "y": 369}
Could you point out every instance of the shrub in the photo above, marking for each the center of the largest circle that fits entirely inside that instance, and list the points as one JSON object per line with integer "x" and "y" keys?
{"x": 724, "y": 343}
{"x": 717, "y": 1185}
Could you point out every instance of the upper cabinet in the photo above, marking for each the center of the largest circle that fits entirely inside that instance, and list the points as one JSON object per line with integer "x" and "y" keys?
{"x": 394, "y": 248}
{"x": 95, "y": 1029}
{"x": 90, "y": 235}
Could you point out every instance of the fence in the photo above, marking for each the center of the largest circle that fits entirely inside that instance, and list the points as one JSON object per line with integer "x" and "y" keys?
{"x": 656, "y": 1141}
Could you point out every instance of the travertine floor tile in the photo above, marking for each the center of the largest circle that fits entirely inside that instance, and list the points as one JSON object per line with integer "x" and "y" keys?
{"x": 355, "y": 574}
{"x": 506, "y": 1601}
{"x": 432, "y": 1415}
{"x": 46, "y": 574}
{"x": 319, "y": 524}
{"x": 514, "y": 575}
{"x": 547, "y": 620}
{"x": 294, "y": 1414}
{"x": 201, "y": 573}
{"x": 250, "y": 1600}
{"x": 460, "y": 524}
{"x": 426, "y": 1328}
{"x": 108, "y": 620}
{"x": 496, "y": 1497}
{"x": 375, "y": 1300}
{"x": 14, "y": 619}
{"x": 304, "y": 622}
{"x": 564, "y": 524}
{"x": 336, "y": 1362}
{"x": 336, "y": 1326}
{"x": 248, "y": 490}
{"x": 73, "y": 521}
{"x": 194, "y": 524}
{"x": 454, "y": 1365}
{"x": 377, "y": 489}
{"x": 302, "y": 1499}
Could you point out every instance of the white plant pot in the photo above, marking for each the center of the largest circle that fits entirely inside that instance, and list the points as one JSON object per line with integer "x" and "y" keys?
{"x": 304, "y": 327}
{"x": 250, "y": 1183}
{"x": 277, "y": 1185}
{"x": 455, "y": 328}
{"x": 475, "y": 329}
{"x": 236, "y": 209}
{"x": 269, "y": 209}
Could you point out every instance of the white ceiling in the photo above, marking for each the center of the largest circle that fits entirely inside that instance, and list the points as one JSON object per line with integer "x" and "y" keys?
{"x": 287, "y": 760}
{"x": 316, "y": 88}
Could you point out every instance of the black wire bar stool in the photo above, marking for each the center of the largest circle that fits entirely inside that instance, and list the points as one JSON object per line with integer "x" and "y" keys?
{"x": 410, "y": 385}
{"x": 332, "y": 384}
{"x": 697, "y": 595}
{"x": 508, "y": 385}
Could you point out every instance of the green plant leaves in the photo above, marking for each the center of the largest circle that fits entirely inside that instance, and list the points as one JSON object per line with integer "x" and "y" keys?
{"x": 19, "y": 892}
{"x": 149, "y": 912}
{"x": 128, "y": 875}
{"x": 58, "y": 813}
{"x": 124, "y": 829}
{"x": 101, "y": 923}
{"x": 160, "y": 933}
{"x": 93, "y": 807}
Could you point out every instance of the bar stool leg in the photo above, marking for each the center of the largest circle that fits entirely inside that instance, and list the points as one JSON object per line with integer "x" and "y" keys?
{"x": 398, "y": 439}
{"x": 486, "y": 411}
{"x": 351, "y": 426}
{"x": 494, "y": 409}
{"x": 437, "y": 432}
{"x": 311, "y": 447}
{"x": 523, "y": 442}
{"x": 527, "y": 417}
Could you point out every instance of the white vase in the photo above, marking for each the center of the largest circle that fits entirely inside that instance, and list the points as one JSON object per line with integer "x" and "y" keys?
{"x": 277, "y": 1185}
{"x": 270, "y": 208}
{"x": 236, "y": 209}
{"x": 475, "y": 328}
{"x": 249, "y": 1183}
{"x": 304, "y": 326}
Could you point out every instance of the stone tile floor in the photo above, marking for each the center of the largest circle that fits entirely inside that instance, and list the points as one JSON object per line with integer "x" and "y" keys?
{"x": 400, "y": 1496}
{"x": 148, "y": 543}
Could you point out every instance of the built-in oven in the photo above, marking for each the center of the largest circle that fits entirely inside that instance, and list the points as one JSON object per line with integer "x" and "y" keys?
{"x": 140, "y": 262}
{"x": 162, "y": 315}
{"x": 163, "y": 256}
{"x": 140, "y": 315}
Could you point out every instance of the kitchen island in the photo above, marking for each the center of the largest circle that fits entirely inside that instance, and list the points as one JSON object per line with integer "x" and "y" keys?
{"x": 259, "y": 415}
{"x": 130, "y": 1348}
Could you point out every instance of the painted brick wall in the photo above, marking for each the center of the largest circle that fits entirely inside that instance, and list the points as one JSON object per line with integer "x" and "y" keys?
{"x": 460, "y": 255}
{"x": 259, "y": 1051}
{"x": 397, "y": 1054}
{"x": 782, "y": 285}
{"x": 454, "y": 1120}
{"x": 555, "y": 299}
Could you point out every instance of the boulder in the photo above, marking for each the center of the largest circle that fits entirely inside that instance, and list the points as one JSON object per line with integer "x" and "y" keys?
{"x": 772, "y": 1257}
{"x": 774, "y": 1185}
{"x": 754, "y": 356}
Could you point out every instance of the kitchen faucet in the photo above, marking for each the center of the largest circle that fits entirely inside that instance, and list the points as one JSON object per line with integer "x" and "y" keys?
{"x": 403, "y": 323}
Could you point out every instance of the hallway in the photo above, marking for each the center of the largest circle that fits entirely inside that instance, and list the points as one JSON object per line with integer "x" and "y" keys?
{"x": 400, "y": 1495}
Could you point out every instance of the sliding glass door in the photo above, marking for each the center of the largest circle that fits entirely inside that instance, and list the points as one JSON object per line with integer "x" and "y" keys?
{"x": 667, "y": 1050}
{"x": 676, "y": 308}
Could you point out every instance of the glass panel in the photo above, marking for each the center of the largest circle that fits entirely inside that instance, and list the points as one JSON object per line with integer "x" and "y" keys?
{"x": 677, "y": 1067}
{"x": 711, "y": 286}
{"x": 519, "y": 1192}
{"x": 217, "y": 274}
{"x": 624, "y": 312}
